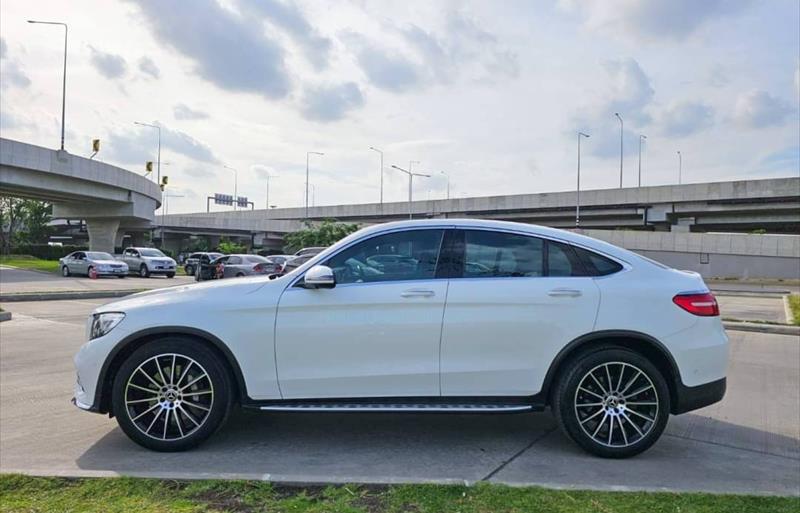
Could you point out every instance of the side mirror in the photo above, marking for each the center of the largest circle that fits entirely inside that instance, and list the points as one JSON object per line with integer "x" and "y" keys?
{"x": 319, "y": 277}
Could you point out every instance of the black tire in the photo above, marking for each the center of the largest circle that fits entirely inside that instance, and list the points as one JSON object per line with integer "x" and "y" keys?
{"x": 170, "y": 275}
{"x": 205, "y": 362}
{"x": 611, "y": 397}
{"x": 65, "y": 272}
{"x": 239, "y": 275}
{"x": 89, "y": 271}
{"x": 189, "y": 270}
{"x": 121, "y": 276}
{"x": 144, "y": 272}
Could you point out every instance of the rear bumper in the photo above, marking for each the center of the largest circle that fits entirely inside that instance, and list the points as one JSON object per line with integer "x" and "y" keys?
{"x": 693, "y": 398}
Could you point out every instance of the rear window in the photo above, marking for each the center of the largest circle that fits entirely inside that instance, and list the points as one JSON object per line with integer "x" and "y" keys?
{"x": 562, "y": 261}
{"x": 597, "y": 265}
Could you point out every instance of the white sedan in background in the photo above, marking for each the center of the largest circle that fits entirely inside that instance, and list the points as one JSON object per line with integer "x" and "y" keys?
{"x": 437, "y": 316}
{"x": 84, "y": 262}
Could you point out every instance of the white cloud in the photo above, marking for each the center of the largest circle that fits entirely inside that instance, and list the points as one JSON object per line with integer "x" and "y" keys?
{"x": 181, "y": 111}
{"x": 759, "y": 109}
{"x": 681, "y": 119}
{"x": 11, "y": 72}
{"x": 331, "y": 102}
{"x": 148, "y": 67}
{"x": 109, "y": 65}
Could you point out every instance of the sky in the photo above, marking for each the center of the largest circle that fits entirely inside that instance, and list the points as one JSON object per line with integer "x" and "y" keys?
{"x": 488, "y": 93}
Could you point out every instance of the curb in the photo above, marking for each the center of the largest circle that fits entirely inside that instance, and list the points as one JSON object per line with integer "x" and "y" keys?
{"x": 775, "y": 329}
{"x": 56, "y": 296}
{"x": 753, "y": 294}
{"x": 5, "y": 316}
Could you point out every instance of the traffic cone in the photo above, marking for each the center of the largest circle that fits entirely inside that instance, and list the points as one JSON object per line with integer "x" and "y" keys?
{"x": 93, "y": 273}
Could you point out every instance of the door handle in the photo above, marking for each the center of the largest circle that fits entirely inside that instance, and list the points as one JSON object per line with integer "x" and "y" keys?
{"x": 564, "y": 293}
{"x": 417, "y": 293}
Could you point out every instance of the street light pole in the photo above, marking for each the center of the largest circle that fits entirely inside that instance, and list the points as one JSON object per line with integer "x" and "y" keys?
{"x": 308, "y": 154}
{"x": 448, "y": 182}
{"x": 410, "y": 185}
{"x": 680, "y": 166}
{"x": 268, "y": 178}
{"x": 641, "y": 138}
{"x": 158, "y": 160}
{"x": 235, "y": 185}
{"x": 621, "y": 128}
{"x": 381, "y": 152}
{"x": 64, "y": 82}
{"x": 578, "y": 199}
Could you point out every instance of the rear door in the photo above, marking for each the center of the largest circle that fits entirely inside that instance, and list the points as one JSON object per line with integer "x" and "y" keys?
{"x": 80, "y": 265}
{"x": 513, "y": 302}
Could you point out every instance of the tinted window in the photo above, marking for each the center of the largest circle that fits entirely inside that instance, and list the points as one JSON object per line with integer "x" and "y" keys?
{"x": 500, "y": 255}
{"x": 562, "y": 261}
{"x": 152, "y": 253}
{"x": 595, "y": 264}
{"x": 255, "y": 259}
{"x": 406, "y": 255}
{"x": 234, "y": 260}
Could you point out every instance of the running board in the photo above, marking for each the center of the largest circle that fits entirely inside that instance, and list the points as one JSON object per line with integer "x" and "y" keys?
{"x": 388, "y": 407}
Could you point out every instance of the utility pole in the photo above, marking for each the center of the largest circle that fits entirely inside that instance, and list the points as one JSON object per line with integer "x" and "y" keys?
{"x": 641, "y": 138}
{"x": 64, "y": 82}
{"x": 621, "y": 130}
{"x": 308, "y": 154}
{"x": 578, "y": 200}
{"x": 381, "y": 152}
{"x": 410, "y": 186}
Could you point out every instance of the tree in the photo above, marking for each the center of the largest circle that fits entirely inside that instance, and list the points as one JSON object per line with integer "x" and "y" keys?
{"x": 37, "y": 216}
{"x": 326, "y": 233}
{"x": 11, "y": 214}
{"x": 229, "y": 247}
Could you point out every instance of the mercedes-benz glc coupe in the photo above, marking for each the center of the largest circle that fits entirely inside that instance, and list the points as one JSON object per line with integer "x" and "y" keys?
{"x": 444, "y": 316}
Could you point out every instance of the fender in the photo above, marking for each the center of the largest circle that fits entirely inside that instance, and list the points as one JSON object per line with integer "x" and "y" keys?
{"x": 101, "y": 406}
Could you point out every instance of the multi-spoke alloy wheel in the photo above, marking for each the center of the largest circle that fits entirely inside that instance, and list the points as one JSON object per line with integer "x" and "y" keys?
{"x": 171, "y": 394}
{"x": 616, "y": 404}
{"x": 612, "y": 402}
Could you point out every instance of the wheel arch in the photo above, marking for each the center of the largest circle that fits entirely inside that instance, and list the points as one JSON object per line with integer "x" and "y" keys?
{"x": 641, "y": 343}
{"x": 134, "y": 341}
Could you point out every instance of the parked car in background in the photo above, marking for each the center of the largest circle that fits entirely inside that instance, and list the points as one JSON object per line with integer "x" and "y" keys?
{"x": 209, "y": 268}
{"x": 247, "y": 265}
{"x": 148, "y": 261}
{"x": 310, "y": 251}
{"x": 441, "y": 315}
{"x": 192, "y": 260}
{"x": 83, "y": 262}
{"x": 280, "y": 260}
{"x": 294, "y": 263}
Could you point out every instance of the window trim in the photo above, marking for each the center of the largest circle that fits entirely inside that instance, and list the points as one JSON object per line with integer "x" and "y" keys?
{"x": 317, "y": 261}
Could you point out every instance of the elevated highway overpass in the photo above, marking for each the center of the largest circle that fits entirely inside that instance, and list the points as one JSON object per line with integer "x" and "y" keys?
{"x": 110, "y": 199}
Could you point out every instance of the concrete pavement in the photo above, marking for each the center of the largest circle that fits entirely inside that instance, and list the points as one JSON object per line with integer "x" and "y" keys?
{"x": 14, "y": 281}
{"x": 749, "y": 443}
{"x": 752, "y": 308}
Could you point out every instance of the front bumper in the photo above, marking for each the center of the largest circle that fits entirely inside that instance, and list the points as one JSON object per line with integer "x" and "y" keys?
{"x": 693, "y": 398}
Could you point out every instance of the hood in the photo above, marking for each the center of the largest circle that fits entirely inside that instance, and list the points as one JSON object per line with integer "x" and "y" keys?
{"x": 216, "y": 291}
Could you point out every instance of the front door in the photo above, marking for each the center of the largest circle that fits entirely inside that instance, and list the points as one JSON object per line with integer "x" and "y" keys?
{"x": 376, "y": 333}
{"x": 513, "y": 302}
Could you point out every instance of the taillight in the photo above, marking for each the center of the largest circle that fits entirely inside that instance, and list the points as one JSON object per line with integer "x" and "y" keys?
{"x": 703, "y": 304}
{"x": 259, "y": 268}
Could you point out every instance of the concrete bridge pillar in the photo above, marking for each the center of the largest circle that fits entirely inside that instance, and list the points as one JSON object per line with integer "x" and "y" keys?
{"x": 102, "y": 234}
{"x": 118, "y": 238}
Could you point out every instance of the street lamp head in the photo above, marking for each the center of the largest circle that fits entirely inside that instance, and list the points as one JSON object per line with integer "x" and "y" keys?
{"x": 584, "y": 134}
{"x": 642, "y": 136}
{"x": 617, "y": 114}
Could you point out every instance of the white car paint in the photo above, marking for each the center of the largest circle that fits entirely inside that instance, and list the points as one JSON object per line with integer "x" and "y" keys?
{"x": 468, "y": 337}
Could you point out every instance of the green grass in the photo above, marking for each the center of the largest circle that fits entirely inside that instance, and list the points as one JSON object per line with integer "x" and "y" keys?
{"x": 44, "y": 495}
{"x": 794, "y": 307}
{"x": 29, "y": 262}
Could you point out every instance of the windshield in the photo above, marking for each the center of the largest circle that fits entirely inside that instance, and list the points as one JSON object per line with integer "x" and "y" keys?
{"x": 151, "y": 253}
{"x": 99, "y": 255}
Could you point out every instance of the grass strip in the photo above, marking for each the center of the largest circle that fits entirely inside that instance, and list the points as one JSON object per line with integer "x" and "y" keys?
{"x": 45, "y": 495}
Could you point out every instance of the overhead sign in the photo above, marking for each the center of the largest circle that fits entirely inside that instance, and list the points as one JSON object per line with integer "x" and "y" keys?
{"x": 242, "y": 201}
{"x": 223, "y": 199}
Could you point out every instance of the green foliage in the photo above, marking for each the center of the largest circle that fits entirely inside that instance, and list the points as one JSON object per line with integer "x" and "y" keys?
{"x": 229, "y": 247}
{"x": 23, "y": 221}
{"x": 199, "y": 244}
{"x": 326, "y": 233}
{"x": 45, "y": 251}
{"x": 111, "y": 495}
{"x": 794, "y": 308}
{"x": 29, "y": 262}
{"x": 758, "y": 231}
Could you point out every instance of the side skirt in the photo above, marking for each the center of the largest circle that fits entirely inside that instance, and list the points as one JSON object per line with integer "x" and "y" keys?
{"x": 404, "y": 405}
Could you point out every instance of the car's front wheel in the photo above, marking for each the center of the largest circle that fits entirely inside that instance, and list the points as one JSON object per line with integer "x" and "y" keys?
{"x": 612, "y": 402}
{"x": 189, "y": 270}
{"x": 171, "y": 394}
{"x": 65, "y": 271}
{"x": 144, "y": 272}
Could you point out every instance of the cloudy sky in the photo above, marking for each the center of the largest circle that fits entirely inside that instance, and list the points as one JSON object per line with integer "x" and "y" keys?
{"x": 491, "y": 92}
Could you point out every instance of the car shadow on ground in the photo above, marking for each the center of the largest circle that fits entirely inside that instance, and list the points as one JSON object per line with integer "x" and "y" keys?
{"x": 522, "y": 448}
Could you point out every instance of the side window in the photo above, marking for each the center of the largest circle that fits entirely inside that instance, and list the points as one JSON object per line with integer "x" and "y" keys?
{"x": 234, "y": 260}
{"x": 490, "y": 254}
{"x": 397, "y": 256}
{"x": 597, "y": 265}
{"x": 562, "y": 261}
{"x": 80, "y": 256}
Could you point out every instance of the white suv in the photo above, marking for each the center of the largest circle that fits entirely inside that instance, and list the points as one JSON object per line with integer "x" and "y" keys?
{"x": 418, "y": 316}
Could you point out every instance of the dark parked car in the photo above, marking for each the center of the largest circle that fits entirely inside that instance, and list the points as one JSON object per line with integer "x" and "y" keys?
{"x": 296, "y": 262}
{"x": 190, "y": 265}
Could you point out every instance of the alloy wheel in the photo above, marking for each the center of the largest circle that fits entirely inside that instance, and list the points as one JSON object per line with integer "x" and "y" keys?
{"x": 169, "y": 396}
{"x": 616, "y": 404}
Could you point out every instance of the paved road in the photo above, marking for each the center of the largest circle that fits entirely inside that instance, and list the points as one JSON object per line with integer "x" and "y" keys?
{"x": 748, "y": 443}
{"x": 17, "y": 280}
{"x": 752, "y": 308}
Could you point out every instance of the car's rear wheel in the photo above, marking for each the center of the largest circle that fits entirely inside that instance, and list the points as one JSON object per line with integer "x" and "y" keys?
{"x": 144, "y": 272}
{"x": 239, "y": 275}
{"x": 65, "y": 271}
{"x": 170, "y": 275}
{"x": 171, "y": 394}
{"x": 612, "y": 402}
{"x": 189, "y": 270}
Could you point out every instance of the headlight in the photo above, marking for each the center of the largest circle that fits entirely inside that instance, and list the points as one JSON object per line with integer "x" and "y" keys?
{"x": 104, "y": 322}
